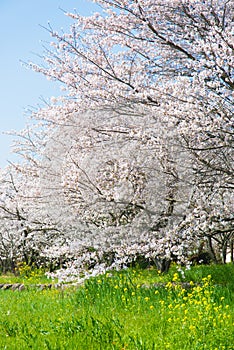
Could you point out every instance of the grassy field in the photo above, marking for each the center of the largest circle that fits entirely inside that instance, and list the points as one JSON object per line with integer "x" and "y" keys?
{"x": 132, "y": 309}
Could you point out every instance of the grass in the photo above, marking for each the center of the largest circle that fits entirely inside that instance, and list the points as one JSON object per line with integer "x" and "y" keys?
{"x": 124, "y": 311}
{"x": 12, "y": 279}
{"x": 26, "y": 275}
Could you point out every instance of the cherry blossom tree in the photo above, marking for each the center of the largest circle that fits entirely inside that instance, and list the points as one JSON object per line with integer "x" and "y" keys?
{"x": 175, "y": 57}
{"x": 136, "y": 156}
{"x": 112, "y": 185}
{"x": 25, "y": 227}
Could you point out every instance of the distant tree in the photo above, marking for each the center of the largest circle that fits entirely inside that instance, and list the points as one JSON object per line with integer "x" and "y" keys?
{"x": 25, "y": 228}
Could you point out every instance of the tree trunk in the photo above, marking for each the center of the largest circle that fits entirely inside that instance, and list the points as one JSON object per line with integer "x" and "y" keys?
{"x": 231, "y": 250}
{"x": 224, "y": 252}
{"x": 211, "y": 250}
{"x": 162, "y": 265}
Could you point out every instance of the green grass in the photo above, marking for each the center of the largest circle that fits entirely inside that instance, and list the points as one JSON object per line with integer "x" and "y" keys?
{"x": 25, "y": 275}
{"x": 12, "y": 279}
{"x": 124, "y": 311}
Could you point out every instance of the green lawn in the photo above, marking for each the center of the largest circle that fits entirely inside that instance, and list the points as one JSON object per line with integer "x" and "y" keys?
{"x": 125, "y": 310}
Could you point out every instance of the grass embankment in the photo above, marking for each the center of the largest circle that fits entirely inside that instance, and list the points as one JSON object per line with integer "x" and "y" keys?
{"x": 124, "y": 311}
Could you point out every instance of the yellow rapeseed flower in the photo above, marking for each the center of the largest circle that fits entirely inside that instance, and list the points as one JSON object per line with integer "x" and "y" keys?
{"x": 175, "y": 277}
{"x": 169, "y": 285}
{"x": 192, "y": 328}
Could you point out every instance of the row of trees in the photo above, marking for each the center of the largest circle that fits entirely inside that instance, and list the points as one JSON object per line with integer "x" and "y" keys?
{"x": 135, "y": 158}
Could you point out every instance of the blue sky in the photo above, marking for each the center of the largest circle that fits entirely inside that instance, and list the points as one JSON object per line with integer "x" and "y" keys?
{"x": 21, "y": 38}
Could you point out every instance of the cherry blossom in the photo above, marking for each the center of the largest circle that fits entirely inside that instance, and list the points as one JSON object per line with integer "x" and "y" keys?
{"x": 135, "y": 158}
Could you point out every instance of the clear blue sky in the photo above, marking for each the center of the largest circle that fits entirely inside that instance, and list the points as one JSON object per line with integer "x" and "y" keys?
{"x": 20, "y": 39}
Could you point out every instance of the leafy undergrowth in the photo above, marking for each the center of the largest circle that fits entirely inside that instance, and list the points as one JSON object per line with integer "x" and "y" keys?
{"x": 125, "y": 310}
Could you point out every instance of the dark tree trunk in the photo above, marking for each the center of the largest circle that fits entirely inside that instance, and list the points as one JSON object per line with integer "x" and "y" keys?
{"x": 211, "y": 251}
{"x": 231, "y": 249}
{"x": 224, "y": 252}
{"x": 162, "y": 265}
